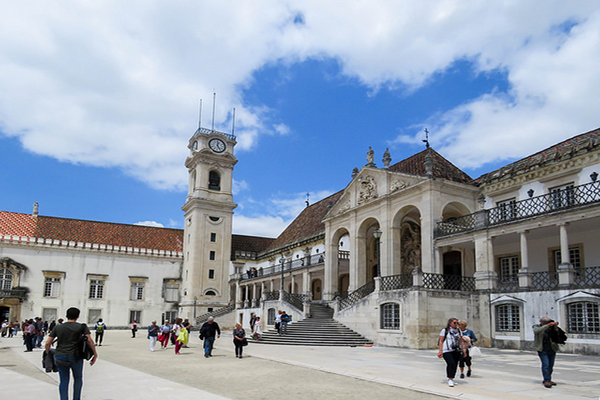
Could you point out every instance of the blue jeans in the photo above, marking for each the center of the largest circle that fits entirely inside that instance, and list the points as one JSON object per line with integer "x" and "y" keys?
{"x": 547, "y": 357}
{"x": 208, "y": 345}
{"x": 65, "y": 365}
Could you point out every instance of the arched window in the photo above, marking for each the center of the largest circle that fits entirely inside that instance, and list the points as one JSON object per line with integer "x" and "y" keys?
{"x": 210, "y": 293}
{"x": 583, "y": 317}
{"x": 390, "y": 316}
{"x": 214, "y": 180}
{"x": 6, "y": 278}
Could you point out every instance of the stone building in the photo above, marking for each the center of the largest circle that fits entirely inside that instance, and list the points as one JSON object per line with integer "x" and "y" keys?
{"x": 397, "y": 252}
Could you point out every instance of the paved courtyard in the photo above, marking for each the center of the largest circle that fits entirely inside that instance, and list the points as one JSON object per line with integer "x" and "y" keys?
{"x": 127, "y": 368}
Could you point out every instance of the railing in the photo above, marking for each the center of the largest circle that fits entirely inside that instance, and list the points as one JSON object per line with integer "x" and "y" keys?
{"x": 393, "y": 282}
{"x": 357, "y": 295}
{"x": 558, "y": 200}
{"x": 211, "y": 131}
{"x": 448, "y": 282}
{"x": 544, "y": 280}
{"x": 288, "y": 265}
{"x": 216, "y": 313}
{"x": 296, "y": 300}
{"x": 589, "y": 276}
{"x": 270, "y": 296}
{"x": 19, "y": 293}
{"x": 508, "y": 283}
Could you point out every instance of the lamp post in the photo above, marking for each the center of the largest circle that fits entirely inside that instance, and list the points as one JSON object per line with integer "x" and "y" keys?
{"x": 281, "y": 261}
{"x": 195, "y": 301}
{"x": 377, "y": 234}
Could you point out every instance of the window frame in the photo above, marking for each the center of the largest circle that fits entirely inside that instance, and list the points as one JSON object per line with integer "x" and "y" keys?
{"x": 55, "y": 283}
{"x": 390, "y": 316}
{"x": 508, "y": 323}
{"x": 586, "y": 315}
{"x": 96, "y": 288}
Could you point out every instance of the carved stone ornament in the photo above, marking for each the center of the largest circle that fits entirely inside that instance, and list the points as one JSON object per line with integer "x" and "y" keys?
{"x": 345, "y": 207}
{"x": 397, "y": 185}
{"x": 368, "y": 189}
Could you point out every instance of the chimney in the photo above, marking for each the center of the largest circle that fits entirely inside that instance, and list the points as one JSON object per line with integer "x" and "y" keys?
{"x": 36, "y": 206}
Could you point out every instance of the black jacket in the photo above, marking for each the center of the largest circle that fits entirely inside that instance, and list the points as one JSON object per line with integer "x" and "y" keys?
{"x": 209, "y": 330}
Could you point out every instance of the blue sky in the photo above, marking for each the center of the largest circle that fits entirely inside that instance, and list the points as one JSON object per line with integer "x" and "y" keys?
{"x": 97, "y": 102}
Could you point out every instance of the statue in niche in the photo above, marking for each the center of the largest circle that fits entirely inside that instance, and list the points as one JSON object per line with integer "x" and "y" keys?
{"x": 410, "y": 246}
{"x": 368, "y": 189}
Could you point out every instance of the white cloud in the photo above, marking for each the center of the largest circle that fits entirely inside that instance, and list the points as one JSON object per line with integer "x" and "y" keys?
{"x": 117, "y": 84}
{"x": 238, "y": 186}
{"x": 259, "y": 225}
{"x": 150, "y": 223}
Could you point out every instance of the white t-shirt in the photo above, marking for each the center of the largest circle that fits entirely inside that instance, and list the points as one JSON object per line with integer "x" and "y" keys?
{"x": 452, "y": 341}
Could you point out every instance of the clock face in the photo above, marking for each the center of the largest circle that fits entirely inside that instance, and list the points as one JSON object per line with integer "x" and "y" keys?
{"x": 216, "y": 145}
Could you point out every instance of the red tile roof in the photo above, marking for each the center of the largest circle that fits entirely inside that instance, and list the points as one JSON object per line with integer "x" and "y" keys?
{"x": 75, "y": 230}
{"x": 577, "y": 145}
{"x": 253, "y": 244}
{"x": 442, "y": 168}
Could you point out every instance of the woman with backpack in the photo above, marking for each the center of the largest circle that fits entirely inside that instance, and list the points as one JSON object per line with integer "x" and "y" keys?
{"x": 450, "y": 348}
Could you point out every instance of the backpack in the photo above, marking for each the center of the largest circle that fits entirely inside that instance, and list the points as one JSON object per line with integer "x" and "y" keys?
{"x": 99, "y": 328}
{"x": 557, "y": 335}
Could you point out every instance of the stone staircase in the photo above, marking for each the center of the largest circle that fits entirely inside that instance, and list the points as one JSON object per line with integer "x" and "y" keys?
{"x": 318, "y": 330}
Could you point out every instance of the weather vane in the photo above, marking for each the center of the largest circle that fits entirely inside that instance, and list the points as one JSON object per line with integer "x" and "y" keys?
{"x": 426, "y": 140}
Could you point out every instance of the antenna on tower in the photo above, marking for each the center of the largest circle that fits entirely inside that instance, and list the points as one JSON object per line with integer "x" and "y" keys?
{"x": 426, "y": 140}
{"x": 307, "y": 199}
{"x": 200, "y": 115}
{"x": 233, "y": 122}
{"x": 213, "y": 113}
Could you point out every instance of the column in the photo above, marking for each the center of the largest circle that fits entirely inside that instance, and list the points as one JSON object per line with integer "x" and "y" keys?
{"x": 524, "y": 276}
{"x": 254, "y": 295}
{"x": 238, "y": 295}
{"x": 485, "y": 276}
{"x": 566, "y": 274}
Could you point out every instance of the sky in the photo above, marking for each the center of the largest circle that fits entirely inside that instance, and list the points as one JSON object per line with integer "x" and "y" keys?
{"x": 98, "y": 100}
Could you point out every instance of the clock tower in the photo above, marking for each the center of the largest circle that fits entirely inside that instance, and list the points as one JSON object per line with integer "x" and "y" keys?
{"x": 208, "y": 219}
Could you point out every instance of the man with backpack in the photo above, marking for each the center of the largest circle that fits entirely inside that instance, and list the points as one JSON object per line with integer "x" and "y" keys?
{"x": 100, "y": 328}
{"x": 546, "y": 343}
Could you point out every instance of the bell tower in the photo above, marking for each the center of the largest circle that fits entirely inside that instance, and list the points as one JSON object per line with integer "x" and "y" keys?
{"x": 208, "y": 219}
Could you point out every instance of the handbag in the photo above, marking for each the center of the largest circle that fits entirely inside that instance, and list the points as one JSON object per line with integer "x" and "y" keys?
{"x": 474, "y": 351}
{"x": 244, "y": 342}
{"x": 84, "y": 351}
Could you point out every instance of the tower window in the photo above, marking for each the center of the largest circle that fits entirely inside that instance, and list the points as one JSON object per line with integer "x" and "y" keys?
{"x": 213, "y": 237}
{"x": 214, "y": 180}
{"x": 211, "y": 274}
{"x": 212, "y": 255}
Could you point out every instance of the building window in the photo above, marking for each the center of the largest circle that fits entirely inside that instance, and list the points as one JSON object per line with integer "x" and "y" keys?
{"x": 508, "y": 318}
{"x": 507, "y": 209}
{"x": 574, "y": 258}
{"x": 135, "y": 315}
{"x": 210, "y": 293}
{"x": 211, "y": 274}
{"x": 170, "y": 316}
{"x": 212, "y": 255}
{"x": 562, "y": 196}
{"x": 271, "y": 316}
{"x": 6, "y": 278}
{"x": 390, "y": 316}
{"x": 96, "y": 288}
{"x": 214, "y": 180}
{"x": 137, "y": 291}
{"x": 583, "y": 317}
{"x": 171, "y": 292}
{"x": 213, "y": 237}
{"x": 509, "y": 269}
{"x": 209, "y": 309}
{"x": 52, "y": 287}
{"x": 94, "y": 315}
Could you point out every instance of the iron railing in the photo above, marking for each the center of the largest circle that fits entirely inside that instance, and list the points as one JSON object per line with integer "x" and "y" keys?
{"x": 19, "y": 293}
{"x": 216, "y": 313}
{"x": 269, "y": 296}
{"x": 508, "y": 283}
{"x": 357, "y": 295}
{"x": 296, "y": 300}
{"x": 288, "y": 265}
{"x": 544, "y": 280}
{"x": 211, "y": 131}
{"x": 448, "y": 282}
{"x": 588, "y": 277}
{"x": 555, "y": 201}
{"x": 393, "y": 282}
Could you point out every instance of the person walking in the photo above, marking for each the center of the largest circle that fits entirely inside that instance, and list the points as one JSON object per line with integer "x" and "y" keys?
{"x": 285, "y": 319}
{"x": 278, "y": 322}
{"x": 100, "y": 327}
{"x": 133, "y": 328}
{"x": 207, "y": 332}
{"x": 449, "y": 348}
{"x": 546, "y": 348}
{"x": 239, "y": 337}
{"x": 465, "y": 358}
{"x": 165, "y": 330}
{"x": 29, "y": 334}
{"x": 153, "y": 334}
{"x": 257, "y": 331}
{"x": 65, "y": 355}
{"x": 175, "y": 329}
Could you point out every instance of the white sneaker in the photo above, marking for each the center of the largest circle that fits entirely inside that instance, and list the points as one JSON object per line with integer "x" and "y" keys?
{"x": 450, "y": 383}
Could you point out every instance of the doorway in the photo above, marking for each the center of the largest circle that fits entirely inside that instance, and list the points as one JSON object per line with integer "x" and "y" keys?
{"x": 452, "y": 270}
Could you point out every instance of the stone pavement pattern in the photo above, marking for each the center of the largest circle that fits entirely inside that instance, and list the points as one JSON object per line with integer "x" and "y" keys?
{"x": 127, "y": 368}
